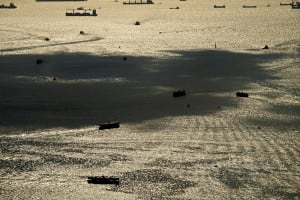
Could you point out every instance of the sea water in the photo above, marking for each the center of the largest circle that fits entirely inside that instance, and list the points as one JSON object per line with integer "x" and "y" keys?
{"x": 218, "y": 147}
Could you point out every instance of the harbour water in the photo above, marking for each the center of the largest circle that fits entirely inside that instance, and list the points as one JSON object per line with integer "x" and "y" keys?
{"x": 208, "y": 144}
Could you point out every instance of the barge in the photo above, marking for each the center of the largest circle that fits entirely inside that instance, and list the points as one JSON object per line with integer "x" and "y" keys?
{"x": 81, "y": 12}
{"x": 138, "y": 2}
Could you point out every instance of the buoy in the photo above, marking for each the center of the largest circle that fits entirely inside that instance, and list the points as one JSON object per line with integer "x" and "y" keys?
{"x": 266, "y": 47}
{"x": 39, "y": 61}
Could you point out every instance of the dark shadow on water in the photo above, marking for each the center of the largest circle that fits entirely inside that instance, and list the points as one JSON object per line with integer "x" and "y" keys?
{"x": 89, "y": 89}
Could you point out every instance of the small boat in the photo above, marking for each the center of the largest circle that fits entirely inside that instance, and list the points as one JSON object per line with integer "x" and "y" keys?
{"x": 138, "y": 2}
{"x": 242, "y": 94}
{"x": 109, "y": 125}
{"x": 221, "y": 6}
{"x": 82, "y": 12}
{"x": 11, "y": 5}
{"x": 245, "y": 6}
{"x": 176, "y": 8}
{"x": 179, "y": 93}
{"x": 266, "y": 47}
{"x": 103, "y": 180}
{"x": 60, "y": 0}
{"x": 295, "y": 5}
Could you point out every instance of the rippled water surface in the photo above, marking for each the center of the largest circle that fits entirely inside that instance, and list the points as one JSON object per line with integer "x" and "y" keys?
{"x": 206, "y": 145}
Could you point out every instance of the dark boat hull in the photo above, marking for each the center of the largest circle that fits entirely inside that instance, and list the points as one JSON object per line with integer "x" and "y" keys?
{"x": 242, "y": 94}
{"x": 138, "y": 2}
{"x": 109, "y": 125}
{"x": 126, "y": 3}
{"x": 179, "y": 93}
{"x": 216, "y": 6}
{"x": 295, "y": 6}
{"x": 80, "y": 14}
{"x": 11, "y": 6}
{"x": 249, "y": 6}
{"x": 58, "y": 0}
{"x": 103, "y": 180}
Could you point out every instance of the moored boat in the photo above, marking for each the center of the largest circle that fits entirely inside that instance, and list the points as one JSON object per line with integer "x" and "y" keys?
{"x": 179, "y": 93}
{"x": 242, "y": 94}
{"x": 11, "y": 5}
{"x": 58, "y": 0}
{"x": 81, "y": 12}
{"x": 295, "y": 5}
{"x": 245, "y": 6}
{"x": 138, "y": 2}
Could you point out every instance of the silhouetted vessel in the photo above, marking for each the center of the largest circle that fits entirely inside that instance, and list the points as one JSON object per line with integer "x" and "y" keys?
{"x": 295, "y": 5}
{"x": 138, "y": 2}
{"x": 245, "y": 6}
{"x": 242, "y": 94}
{"x": 109, "y": 125}
{"x": 60, "y": 0}
{"x": 221, "y": 6}
{"x": 103, "y": 180}
{"x": 81, "y": 12}
{"x": 179, "y": 93}
{"x": 11, "y": 5}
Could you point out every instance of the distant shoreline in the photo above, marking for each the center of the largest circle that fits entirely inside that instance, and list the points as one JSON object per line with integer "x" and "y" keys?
{"x": 60, "y": 0}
